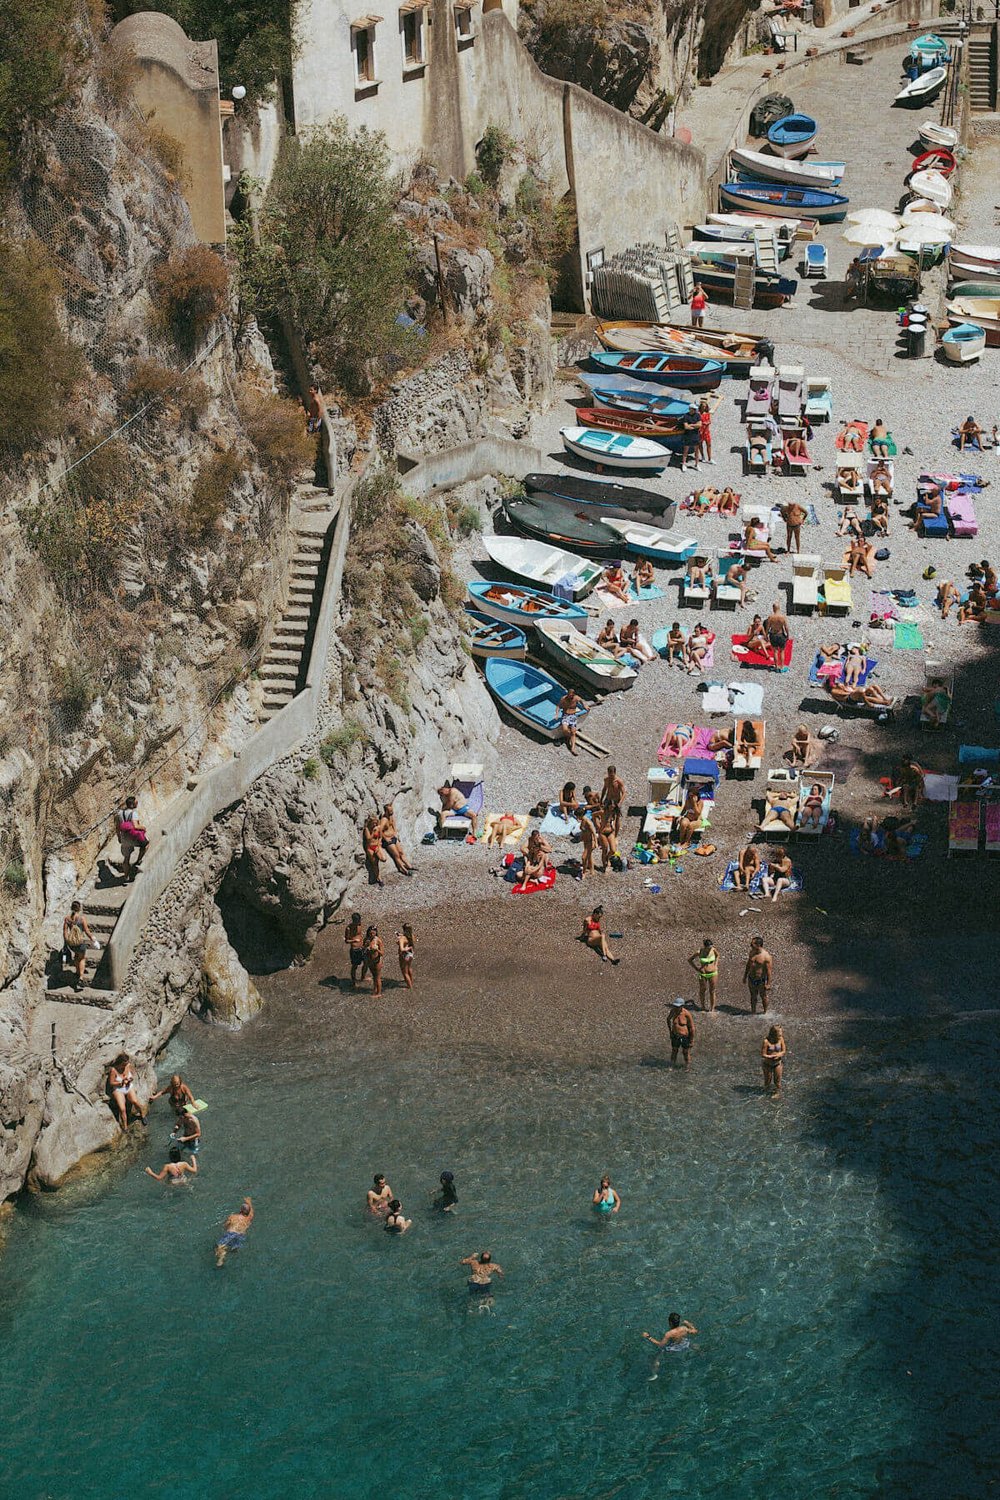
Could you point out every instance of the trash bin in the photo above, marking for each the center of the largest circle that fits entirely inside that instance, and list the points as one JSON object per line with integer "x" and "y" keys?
{"x": 916, "y": 337}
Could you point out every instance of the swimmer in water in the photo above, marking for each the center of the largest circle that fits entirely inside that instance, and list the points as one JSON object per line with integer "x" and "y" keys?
{"x": 395, "y": 1223}
{"x": 379, "y": 1195}
{"x": 234, "y": 1232}
{"x": 447, "y": 1199}
{"x": 483, "y": 1269}
{"x": 175, "y": 1170}
{"x": 676, "y": 1337}
{"x": 606, "y": 1200}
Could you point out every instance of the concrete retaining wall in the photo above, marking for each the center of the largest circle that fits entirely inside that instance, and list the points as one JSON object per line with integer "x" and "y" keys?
{"x": 473, "y": 460}
{"x": 230, "y": 782}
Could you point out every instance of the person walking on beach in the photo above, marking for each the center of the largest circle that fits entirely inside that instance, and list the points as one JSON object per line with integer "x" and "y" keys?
{"x": 705, "y": 424}
{"x": 705, "y": 963}
{"x": 758, "y": 974}
{"x": 405, "y": 947}
{"x": 571, "y": 710}
{"x": 594, "y": 936}
{"x": 772, "y": 1060}
{"x": 175, "y": 1170}
{"x": 606, "y": 1200}
{"x": 374, "y": 951}
{"x": 379, "y": 1195}
{"x": 794, "y": 516}
{"x": 681, "y": 1032}
{"x": 699, "y": 302}
{"x": 355, "y": 940}
{"x": 234, "y": 1232}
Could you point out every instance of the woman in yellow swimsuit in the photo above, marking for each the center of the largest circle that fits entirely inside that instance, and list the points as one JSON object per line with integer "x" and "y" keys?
{"x": 706, "y": 965}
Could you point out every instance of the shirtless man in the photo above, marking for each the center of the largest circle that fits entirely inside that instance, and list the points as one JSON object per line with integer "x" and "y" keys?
{"x": 747, "y": 866}
{"x": 379, "y": 1196}
{"x": 452, "y": 801}
{"x": 676, "y": 1331}
{"x": 234, "y": 1231}
{"x": 758, "y": 974}
{"x": 632, "y": 641}
{"x": 794, "y": 516}
{"x": 675, "y": 644}
{"x": 878, "y": 439}
{"x": 738, "y": 577}
{"x": 175, "y": 1169}
{"x": 613, "y": 796}
{"x": 776, "y": 629}
{"x": 390, "y": 840}
{"x": 355, "y": 940}
{"x": 482, "y": 1269}
{"x": 681, "y": 1032}
{"x": 571, "y": 708}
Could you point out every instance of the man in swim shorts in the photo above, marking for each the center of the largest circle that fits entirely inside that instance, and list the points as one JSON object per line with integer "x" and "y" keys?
{"x": 681, "y": 1032}
{"x": 234, "y": 1232}
{"x": 757, "y": 975}
{"x": 452, "y": 801}
{"x": 482, "y": 1270}
{"x": 677, "y": 1331}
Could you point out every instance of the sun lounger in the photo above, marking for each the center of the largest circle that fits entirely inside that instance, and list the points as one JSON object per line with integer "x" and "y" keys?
{"x": 933, "y": 526}
{"x": 665, "y": 799}
{"x": 752, "y": 759}
{"x": 815, "y": 262}
{"x": 756, "y": 658}
{"x": 962, "y": 514}
{"x": 467, "y": 779}
{"x": 963, "y": 827}
{"x": 872, "y": 465}
{"x": 837, "y": 591}
{"x": 850, "y": 484}
{"x": 819, "y": 398}
{"x": 806, "y": 576}
{"x": 781, "y": 800}
{"x": 796, "y": 463}
{"x": 991, "y": 823}
{"x": 809, "y": 779}
{"x": 791, "y": 386}
{"x": 726, "y": 593}
{"x": 696, "y": 593}
{"x": 823, "y": 672}
{"x": 761, "y": 393}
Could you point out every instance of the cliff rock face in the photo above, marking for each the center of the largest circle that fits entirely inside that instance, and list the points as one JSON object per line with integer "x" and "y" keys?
{"x": 227, "y": 995}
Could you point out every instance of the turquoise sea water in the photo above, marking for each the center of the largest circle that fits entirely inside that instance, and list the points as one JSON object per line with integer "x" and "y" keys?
{"x": 832, "y": 1248}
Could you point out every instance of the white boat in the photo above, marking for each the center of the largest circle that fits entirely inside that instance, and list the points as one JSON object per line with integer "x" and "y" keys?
{"x": 932, "y": 186}
{"x": 932, "y": 134}
{"x": 784, "y": 228}
{"x": 780, "y": 169}
{"x": 653, "y": 541}
{"x": 963, "y": 343}
{"x": 921, "y": 90}
{"x": 615, "y": 450}
{"x": 541, "y": 563}
{"x": 977, "y": 257}
{"x": 984, "y": 311}
{"x": 578, "y": 655}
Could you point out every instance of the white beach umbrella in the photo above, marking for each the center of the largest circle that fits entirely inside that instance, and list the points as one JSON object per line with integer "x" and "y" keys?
{"x": 874, "y": 216}
{"x": 923, "y": 222}
{"x": 870, "y": 234}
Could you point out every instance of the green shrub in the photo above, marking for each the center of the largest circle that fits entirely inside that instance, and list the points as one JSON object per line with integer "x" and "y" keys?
{"x": 189, "y": 292}
{"x": 392, "y": 671}
{"x": 418, "y": 631}
{"x": 37, "y": 53}
{"x": 212, "y": 491}
{"x": 551, "y": 221}
{"x": 474, "y": 185}
{"x": 39, "y": 366}
{"x": 373, "y": 497}
{"x": 310, "y": 768}
{"x": 342, "y": 739}
{"x": 493, "y": 153}
{"x": 169, "y": 152}
{"x": 276, "y": 427}
{"x": 15, "y": 877}
{"x": 465, "y": 520}
{"x": 75, "y": 691}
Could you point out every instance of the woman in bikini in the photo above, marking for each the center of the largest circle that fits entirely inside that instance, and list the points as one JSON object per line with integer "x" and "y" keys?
{"x": 690, "y": 818}
{"x": 804, "y": 749}
{"x": 948, "y": 597}
{"x": 594, "y": 937}
{"x": 678, "y": 739}
{"x": 405, "y": 950}
{"x": 588, "y": 837}
{"x": 729, "y": 502}
{"x": 705, "y": 963}
{"x": 697, "y": 648}
{"x": 854, "y": 666}
{"x": 757, "y": 637}
{"x": 615, "y": 582}
{"x": 879, "y": 512}
{"x": 850, "y": 523}
{"x": 569, "y": 802}
{"x": 374, "y": 953}
{"x": 772, "y": 1060}
{"x": 643, "y": 574}
{"x": 500, "y": 828}
{"x": 631, "y": 641}
{"x": 778, "y": 876}
{"x": 121, "y": 1087}
{"x": 860, "y": 556}
{"x": 371, "y": 841}
{"x": 607, "y": 639}
{"x": 812, "y": 808}
{"x": 607, "y": 837}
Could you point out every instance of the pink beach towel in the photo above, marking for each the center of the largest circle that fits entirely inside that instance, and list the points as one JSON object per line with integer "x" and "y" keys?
{"x": 697, "y": 746}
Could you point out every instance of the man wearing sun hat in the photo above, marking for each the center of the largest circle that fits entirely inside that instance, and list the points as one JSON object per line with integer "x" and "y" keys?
{"x": 681, "y": 1031}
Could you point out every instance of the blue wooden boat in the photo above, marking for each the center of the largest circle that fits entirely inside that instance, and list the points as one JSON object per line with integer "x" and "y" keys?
{"x": 926, "y": 51}
{"x": 528, "y": 694}
{"x": 641, "y": 404}
{"x": 786, "y": 203}
{"x": 515, "y": 604}
{"x": 487, "y": 637}
{"x": 626, "y": 385}
{"x": 678, "y": 370}
{"x": 963, "y": 342}
{"x": 792, "y": 135}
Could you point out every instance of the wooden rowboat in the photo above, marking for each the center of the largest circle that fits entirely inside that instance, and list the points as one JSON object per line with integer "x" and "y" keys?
{"x": 513, "y": 604}
{"x": 577, "y": 655}
{"x": 488, "y": 637}
{"x": 615, "y": 450}
{"x": 666, "y": 430}
{"x": 528, "y": 694}
{"x": 543, "y": 564}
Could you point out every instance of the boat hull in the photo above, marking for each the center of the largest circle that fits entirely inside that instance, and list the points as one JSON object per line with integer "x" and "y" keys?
{"x": 672, "y": 370}
{"x": 563, "y": 658}
{"x": 561, "y": 524}
{"x": 624, "y": 497}
{"x": 515, "y": 556}
{"x": 657, "y": 548}
{"x": 731, "y": 350}
{"x": 932, "y": 134}
{"x": 661, "y": 408}
{"x": 785, "y": 172}
{"x": 512, "y": 610}
{"x": 964, "y": 343}
{"x": 769, "y": 291}
{"x": 630, "y": 462}
{"x": 980, "y": 257}
{"x": 793, "y": 135}
{"x": 488, "y": 637}
{"x": 784, "y": 203}
{"x": 922, "y": 90}
{"x": 983, "y": 311}
{"x": 510, "y": 681}
{"x": 665, "y": 430}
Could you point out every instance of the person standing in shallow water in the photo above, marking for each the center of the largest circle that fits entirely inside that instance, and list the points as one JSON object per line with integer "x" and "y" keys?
{"x": 772, "y": 1060}
{"x": 447, "y": 1199}
{"x": 606, "y": 1200}
{"x": 758, "y": 974}
{"x": 379, "y": 1195}
{"x": 406, "y": 948}
{"x": 482, "y": 1270}
{"x": 681, "y": 1032}
{"x": 705, "y": 963}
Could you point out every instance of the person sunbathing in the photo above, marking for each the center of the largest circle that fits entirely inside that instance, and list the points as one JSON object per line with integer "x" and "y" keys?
{"x": 870, "y": 696}
{"x": 632, "y": 642}
{"x": 569, "y": 802}
{"x": 699, "y": 573}
{"x": 879, "y": 512}
{"x": 691, "y": 815}
{"x": 935, "y": 702}
{"x": 830, "y": 650}
{"x": 500, "y": 828}
{"x": 704, "y": 500}
{"x": 607, "y": 639}
{"x": 776, "y": 809}
{"x": 748, "y": 744}
{"x": 738, "y": 576}
{"x": 947, "y": 596}
{"x": 758, "y": 449}
{"x": 989, "y": 576}
{"x": 859, "y": 557}
{"x": 898, "y": 832}
{"x": 850, "y": 523}
{"x": 855, "y": 663}
{"x": 729, "y": 502}
{"x": 675, "y": 644}
{"x": 804, "y": 749}
{"x": 747, "y": 867}
{"x": 721, "y": 742}
{"x": 795, "y": 447}
{"x": 678, "y": 739}
{"x": 850, "y": 438}
{"x": 929, "y": 503}
{"x": 697, "y": 647}
{"x": 643, "y": 574}
{"x": 848, "y": 478}
{"x": 778, "y": 875}
{"x": 970, "y": 435}
{"x": 757, "y": 637}
{"x": 880, "y": 478}
{"x": 755, "y": 539}
{"x": 974, "y": 608}
{"x": 879, "y": 439}
{"x": 615, "y": 582}
{"x": 811, "y": 812}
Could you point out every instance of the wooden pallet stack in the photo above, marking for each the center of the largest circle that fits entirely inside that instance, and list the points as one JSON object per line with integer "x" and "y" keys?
{"x": 647, "y": 283}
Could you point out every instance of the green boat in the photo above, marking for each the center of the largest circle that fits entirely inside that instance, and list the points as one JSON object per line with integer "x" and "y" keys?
{"x": 974, "y": 289}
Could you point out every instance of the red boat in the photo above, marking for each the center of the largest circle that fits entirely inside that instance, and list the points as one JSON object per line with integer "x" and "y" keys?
{"x": 937, "y": 160}
{"x": 636, "y": 424}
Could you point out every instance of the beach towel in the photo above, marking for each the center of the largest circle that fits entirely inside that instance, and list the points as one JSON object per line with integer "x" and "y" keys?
{"x": 860, "y": 427}
{"x": 514, "y": 867}
{"x": 643, "y": 595}
{"x": 556, "y": 825}
{"x": 940, "y": 788}
{"x": 695, "y": 748}
{"x": 914, "y": 843}
{"x": 823, "y": 672}
{"x": 608, "y": 600}
{"x": 728, "y": 880}
{"x": 907, "y": 637}
{"x": 746, "y": 698}
{"x": 757, "y": 883}
{"x": 978, "y": 755}
{"x": 513, "y": 838}
{"x": 812, "y": 515}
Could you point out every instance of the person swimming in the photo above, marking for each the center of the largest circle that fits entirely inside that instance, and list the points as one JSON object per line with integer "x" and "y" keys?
{"x": 480, "y": 1282}
{"x": 677, "y": 1337}
{"x": 447, "y": 1199}
{"x": 234, "y": 1232}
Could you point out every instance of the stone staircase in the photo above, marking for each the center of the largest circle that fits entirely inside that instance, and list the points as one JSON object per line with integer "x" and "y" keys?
{"x": 283, "y": 664}
{"x": 102, "y": 897}
{"x": 982, "y": 74}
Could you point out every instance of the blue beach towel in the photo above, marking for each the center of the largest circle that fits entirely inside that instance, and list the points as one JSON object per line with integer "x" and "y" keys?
{"x": 644, "y": 594}
{"x": 554, "y": 823}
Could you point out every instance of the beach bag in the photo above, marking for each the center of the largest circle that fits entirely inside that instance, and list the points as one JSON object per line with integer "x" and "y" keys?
{"x": 882, "y": 555}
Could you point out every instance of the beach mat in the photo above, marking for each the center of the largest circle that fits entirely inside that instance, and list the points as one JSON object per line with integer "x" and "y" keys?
{"x": 840, "y": 759}
{"x": 645, "y": 594}
{"x": 514, "y": 837}
{"x": 609, "y": 601}
{"x": 555, "y": 824}
{"x": 907, "y": 636}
